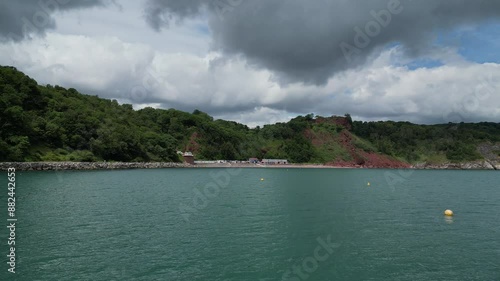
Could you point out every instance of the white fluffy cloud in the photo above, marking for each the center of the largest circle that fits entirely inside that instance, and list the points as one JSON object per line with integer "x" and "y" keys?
{"x": 229, "y": 88}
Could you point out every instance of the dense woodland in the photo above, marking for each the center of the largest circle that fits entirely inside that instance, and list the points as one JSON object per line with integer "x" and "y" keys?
{"x": 51, "y": 123}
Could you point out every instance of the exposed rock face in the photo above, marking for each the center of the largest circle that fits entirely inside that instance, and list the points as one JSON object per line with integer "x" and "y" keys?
{"x": 477, "y": 165}
{"x": 52, "y": 166}
{"x": 363, "y": 159}
{"x": 490, "y": 154}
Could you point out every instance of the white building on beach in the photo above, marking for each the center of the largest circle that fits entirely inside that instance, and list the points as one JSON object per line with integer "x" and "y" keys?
{"x": 275, "y": 161}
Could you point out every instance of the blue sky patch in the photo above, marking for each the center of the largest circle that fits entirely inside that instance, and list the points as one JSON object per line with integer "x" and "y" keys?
{"x": 480, "y": 44}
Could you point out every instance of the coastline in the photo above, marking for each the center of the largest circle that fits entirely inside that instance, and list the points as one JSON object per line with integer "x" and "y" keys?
{"x": 88, "y": 166}
{"x": 476, "y": 165}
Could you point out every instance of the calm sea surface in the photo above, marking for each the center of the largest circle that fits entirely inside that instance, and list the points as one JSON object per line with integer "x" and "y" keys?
{"x": 254, "y": 224}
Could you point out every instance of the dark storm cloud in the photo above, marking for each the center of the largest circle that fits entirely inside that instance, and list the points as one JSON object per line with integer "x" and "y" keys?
{"x": 18, "y": 19}
{"x": 310, "y": 40}
{"x": 159, "y": 13}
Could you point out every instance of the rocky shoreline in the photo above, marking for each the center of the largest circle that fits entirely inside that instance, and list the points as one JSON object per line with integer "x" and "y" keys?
{"x": 57, "y": 166}
{"x": 477, "y": 165}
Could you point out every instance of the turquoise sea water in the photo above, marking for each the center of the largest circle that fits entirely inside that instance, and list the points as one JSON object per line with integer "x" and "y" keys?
{"x": 219, "y": 224}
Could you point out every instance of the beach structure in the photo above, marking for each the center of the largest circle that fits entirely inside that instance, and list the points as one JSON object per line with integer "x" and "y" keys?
{"x": 205, "y": 162}
{"x": 253, "y": 161}
{"x": 188, "y": 157}
{"x": 274, "y": 161}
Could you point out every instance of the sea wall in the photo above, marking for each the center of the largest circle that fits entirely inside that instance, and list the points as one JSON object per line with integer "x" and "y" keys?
{"x": 53, "y": 166}
{"x": 477, "y": 165}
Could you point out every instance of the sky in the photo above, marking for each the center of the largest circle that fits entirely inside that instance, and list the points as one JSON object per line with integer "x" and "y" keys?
{"x": 264, "y": 61}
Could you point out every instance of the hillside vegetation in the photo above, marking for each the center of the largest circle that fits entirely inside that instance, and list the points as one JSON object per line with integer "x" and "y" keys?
{"x": 51, "y": 123}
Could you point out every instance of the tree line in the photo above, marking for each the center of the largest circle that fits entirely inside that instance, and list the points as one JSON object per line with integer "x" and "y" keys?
{"x": 52, "y": 123}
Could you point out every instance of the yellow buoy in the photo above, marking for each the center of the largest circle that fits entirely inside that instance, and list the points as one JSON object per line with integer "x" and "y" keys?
{"x": 262, "y": 179}
{"x": 368, "y": 184}
{"x": 448, "y": 213}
